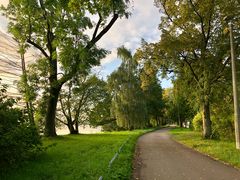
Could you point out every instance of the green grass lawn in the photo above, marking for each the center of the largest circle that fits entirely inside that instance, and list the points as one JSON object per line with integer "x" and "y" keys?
{"x": 80, "y": 157}
{"x": 223, "y": 150}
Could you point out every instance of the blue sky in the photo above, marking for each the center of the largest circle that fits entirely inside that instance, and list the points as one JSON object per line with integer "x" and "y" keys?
{"x": 143, "y": 23}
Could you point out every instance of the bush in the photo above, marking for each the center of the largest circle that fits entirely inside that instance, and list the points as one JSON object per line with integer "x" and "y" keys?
{"x": 222, "y": 125}
{"x": 111, "y": 127}
{"x": 197, "y": 122}
{"x": 19, "y": 140}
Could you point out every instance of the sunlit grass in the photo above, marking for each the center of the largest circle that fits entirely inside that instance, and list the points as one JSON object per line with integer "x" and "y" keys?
{"x": 80, "y": 157}
{"x": 223, "y": 150}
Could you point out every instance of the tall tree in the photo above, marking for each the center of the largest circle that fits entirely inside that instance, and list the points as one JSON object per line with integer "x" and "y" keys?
{"x": 151, "y": 88}
{"x": 154, "y": 101}
{"x": 128, "y": 103}
{"x": 57, "y": 28}
{"x": 194, "y": 46}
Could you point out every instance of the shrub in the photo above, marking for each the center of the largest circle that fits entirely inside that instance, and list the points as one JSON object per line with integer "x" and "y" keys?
{"x": 222, "y": 125}
{"x": 197, "y": 122}
{"x": 19, "y": 140}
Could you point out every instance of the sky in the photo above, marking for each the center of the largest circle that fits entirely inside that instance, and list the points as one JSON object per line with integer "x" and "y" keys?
{"x": 143, "y": 23}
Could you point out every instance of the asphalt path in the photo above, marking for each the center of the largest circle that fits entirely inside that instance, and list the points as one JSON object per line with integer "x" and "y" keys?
{"x": 158, "y": 157}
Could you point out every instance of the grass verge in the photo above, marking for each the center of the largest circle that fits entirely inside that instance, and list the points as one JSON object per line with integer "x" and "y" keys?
{"x": 223, "y": 150}
{"x": 83, "y": 157}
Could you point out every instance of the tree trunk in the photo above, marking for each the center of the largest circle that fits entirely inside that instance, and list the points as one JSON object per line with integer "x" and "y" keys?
{"x": 50, "y": 130}
{"x": 207, "y": 124}
{"x": 180, "y": 123}
{"x": 158, "y": 121}
{"x": 71, "y": 128}
{"x": 26, "y": 85}
{"x": 76, "y": 126}
{"x": 54, "y": 91}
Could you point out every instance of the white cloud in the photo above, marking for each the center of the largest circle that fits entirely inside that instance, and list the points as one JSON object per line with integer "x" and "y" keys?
{"x": 111, "y": 57}
{"x": 143, "y": 23}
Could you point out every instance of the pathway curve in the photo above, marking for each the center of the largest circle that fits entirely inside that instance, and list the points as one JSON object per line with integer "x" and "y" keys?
{"x": 158, "y": 157}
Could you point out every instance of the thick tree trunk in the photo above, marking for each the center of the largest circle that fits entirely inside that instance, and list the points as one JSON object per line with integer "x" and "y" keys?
{"x": 54, "y": 91}
{"x": 50, "y": 129}
{"x": 71, "y": 128}
{"x": 207, "y": 124}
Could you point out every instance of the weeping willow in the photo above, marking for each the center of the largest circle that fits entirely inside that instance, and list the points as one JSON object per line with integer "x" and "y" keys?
{"x": 128, "y": 105}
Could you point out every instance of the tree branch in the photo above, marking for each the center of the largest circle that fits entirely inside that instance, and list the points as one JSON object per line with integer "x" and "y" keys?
{"x": 97, "y": 26}
{"x": 62, "y": 107}
{"x": 89, "y": 46}
{"x": 191, "y": 68}
{"x": 219, "y": 74}
{"x": 102, "y": 33}
{"x": 200, "y": 17}
{"x": 61, "y": 121}
{"x": 38, "y": 47}
{"x": 183, "y": 27}
{"x": 68, "y": 100}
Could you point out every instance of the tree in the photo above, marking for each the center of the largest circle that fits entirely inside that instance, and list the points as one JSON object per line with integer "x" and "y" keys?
{"x": 151, "y": 87}
{"x": 58, "y": 30}
{"x": 128, "y": 103}
{"x": 192, "y": 45}
{"x": 23, "y": 85}
{"x": 80, "y": 96}
{"x": 154, "y": 101}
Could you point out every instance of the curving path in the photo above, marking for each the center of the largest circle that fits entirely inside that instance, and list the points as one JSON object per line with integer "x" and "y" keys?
{"x": 158, "y": 157}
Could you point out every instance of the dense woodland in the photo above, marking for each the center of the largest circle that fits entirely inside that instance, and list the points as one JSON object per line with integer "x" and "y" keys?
{"x": 59, "y": 89}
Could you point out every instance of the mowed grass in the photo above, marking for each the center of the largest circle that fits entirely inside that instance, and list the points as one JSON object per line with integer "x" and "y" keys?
{"x": 80, "y": 157}
{"x": 223, "y": 150}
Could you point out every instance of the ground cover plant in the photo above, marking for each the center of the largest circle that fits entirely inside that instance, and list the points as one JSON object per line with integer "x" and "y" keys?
{"x": 81, "y": 157}
{"x": 223, "y": 150}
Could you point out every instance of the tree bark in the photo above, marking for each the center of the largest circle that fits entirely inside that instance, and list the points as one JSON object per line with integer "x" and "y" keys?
{"x": 71, "y": 128}
{"x": 50, "y": 130}
{"x": 54, "y": 91}
{"x": 207, "y": 124}
{"x": 76, "y": 126}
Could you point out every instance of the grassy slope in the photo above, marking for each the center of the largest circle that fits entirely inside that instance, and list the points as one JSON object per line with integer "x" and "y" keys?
{"x": 81, "y": 157}
{"x": 218, "y": 149}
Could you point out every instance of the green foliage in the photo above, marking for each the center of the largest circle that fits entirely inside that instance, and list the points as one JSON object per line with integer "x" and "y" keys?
{"x": 195, "y": 47}
{"x": 222, "y": 124}
{"x": 19, "y": 139}
{"x": 178, "y": 109}
{"x": 37, "y": 90}
{"x": 84, "y": 100}
{"x": 112, "y": 126}
{"x": 128, "y": 102}
{"x": 59, "y": 30}
{"x": 197, "y": 122}
{"x": 151, "y": 88}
